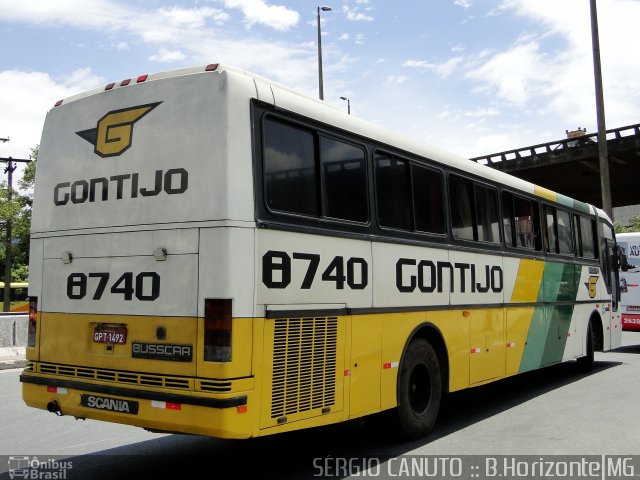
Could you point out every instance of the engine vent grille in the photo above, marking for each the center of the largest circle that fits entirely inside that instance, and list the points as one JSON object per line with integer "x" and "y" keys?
{"x": 304, "y": 365}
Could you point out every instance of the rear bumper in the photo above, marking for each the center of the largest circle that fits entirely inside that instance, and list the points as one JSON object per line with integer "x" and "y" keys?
{"x": 216, "y": 415}
{"x": 630, "y": 322}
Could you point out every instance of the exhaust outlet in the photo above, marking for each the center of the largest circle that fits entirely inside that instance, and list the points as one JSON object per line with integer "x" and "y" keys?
{"x": 54, "y": 407}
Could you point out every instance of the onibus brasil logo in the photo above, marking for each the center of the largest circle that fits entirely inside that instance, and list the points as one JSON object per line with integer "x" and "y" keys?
{"x": 114, "y": 132}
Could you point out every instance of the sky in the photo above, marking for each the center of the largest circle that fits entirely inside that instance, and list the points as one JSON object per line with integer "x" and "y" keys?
{"x": 472, "y": 76}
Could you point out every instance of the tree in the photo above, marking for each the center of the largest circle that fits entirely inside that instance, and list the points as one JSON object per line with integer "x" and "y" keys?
{"x": 633, "y": 226}
{"x": 18, "y": 212}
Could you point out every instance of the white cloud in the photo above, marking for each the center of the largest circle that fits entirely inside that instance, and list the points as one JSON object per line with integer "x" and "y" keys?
{"x": 25, "y": 98}
{"x": 359, "y": 40}
{"x": 463, "y": 3}
{"x": 395, "y": 79}
{"x": 560, "y": 82}
{"x": 257, "y": 11}
{"x": 344, "y": 36}
{"x": 482, "y": 112}
{"x": 514, "y": 75}
{"x": 442, "y": 69}
{"x": 121, "y": 46}
{"x": 192, "y": 17}
{"x": 355, "y": 15}
{"x": 166, "y": 56}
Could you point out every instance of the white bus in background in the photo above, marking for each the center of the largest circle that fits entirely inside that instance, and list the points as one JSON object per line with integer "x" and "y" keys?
{"x": 630, "y": 280}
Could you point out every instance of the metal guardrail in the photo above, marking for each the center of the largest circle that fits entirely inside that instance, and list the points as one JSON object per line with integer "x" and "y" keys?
{"x": 553, "y": 147}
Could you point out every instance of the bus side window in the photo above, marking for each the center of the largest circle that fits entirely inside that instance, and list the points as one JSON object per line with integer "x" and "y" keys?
{"x": 521, "y": 227}
{"x": 393, "y": 192}
{"x": 428, "y": 199}
{"x": 344, "y": 180}
{"x": 550, "y": 237}
{"x": 462, "y": 208}
{"x": 585, "y": 240}
{"x": 289, "y": 168}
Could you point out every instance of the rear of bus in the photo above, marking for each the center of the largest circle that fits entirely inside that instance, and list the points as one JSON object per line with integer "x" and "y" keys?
{"x": 630, "y": 281}
{"x": 142, "y": 255}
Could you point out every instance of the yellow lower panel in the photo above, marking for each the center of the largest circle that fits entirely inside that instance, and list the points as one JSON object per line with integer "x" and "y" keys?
{"x": 199, "y": 420}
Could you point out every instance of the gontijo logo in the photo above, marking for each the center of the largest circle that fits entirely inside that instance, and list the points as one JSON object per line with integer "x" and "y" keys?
{"x": 114, "y": 132}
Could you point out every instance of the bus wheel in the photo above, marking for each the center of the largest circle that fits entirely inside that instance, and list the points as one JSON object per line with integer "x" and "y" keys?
{"x": 586, "y": 363}
{"x": 419, "y": 389}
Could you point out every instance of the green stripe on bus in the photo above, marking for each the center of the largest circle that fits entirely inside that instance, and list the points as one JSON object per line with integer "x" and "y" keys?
{"x": 547, "y": 336}
{"x": 571, "y": 203}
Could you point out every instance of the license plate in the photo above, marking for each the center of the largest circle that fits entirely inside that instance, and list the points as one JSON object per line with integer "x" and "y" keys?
{"x": 109, "y": 403}
{"x": 109, "y": 334}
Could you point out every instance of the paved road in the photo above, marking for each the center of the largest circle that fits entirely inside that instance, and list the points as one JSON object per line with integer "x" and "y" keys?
{"x": 550, "y": 412}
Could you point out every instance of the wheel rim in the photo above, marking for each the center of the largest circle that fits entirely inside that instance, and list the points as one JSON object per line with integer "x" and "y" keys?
{"x": 419, "y": 389}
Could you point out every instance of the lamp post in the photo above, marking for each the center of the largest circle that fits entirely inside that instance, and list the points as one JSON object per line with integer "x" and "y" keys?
{"x": 603, "y": 156}
{"x": 9, "y": 169}
{"x": 320, "y": 89}
{"x": 348, "y": 104}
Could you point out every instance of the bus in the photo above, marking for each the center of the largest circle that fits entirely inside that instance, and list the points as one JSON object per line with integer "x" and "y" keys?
{"x": 213, "y": 253}
{"x": 629, "y": 244}
{"x": 18, "y": 296}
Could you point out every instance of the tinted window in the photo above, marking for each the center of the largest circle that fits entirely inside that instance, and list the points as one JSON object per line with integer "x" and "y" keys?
{"x": 345, "y": 180}
{"x": 487, "y": 214}
{"x": 289, "y": 168}
{"x": 520, "y": 223}
{"x": 428, "y": 200}
{"x": 462, "y": 208}
{"x": 393, "y": 192}
{"x": 585, "y": 239}
{"x": 551, "y": 239}
{"x": 564, "y": 232}
{"x": 558, "y": 231}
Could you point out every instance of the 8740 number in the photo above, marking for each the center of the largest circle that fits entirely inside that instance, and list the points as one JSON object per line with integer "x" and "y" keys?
{"x": 276, "y": 270}
{"x": 145, "y": 286}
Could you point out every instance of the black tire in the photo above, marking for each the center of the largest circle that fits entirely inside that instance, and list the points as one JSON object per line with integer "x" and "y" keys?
{"x": 419, "y": 389}
{"x": 586, "y": 364}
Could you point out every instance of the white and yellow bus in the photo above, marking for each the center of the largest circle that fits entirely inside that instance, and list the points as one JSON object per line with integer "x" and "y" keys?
{"x": 629, "y": 244}
{"x": 213, "y": 253}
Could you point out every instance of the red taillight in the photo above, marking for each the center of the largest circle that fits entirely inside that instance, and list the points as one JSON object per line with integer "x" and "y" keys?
{"x": 58, "y": 103}
{"x": 125, "y": 82}
{"x": 109, "y": 86}
{"x": 141, "y": 78}
{"x": 33, "y": 322}
{"x": 217, "y": 330}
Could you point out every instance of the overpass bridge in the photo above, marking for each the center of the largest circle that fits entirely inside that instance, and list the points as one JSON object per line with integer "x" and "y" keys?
{"x": 570, "y": 166}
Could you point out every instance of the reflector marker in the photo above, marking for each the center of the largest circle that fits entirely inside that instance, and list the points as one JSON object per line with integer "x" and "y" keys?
{"x": 125, "y": 82}
{"x": 211, "y": 67}
{"x": 475, "y": 350}
{"x": 166, "y": 405}
{"x": 141, "y": 78}
{"x": 58, "y": 103}
{"x": 109, "y": 86}
{"x": 347, "y": 373}
{"x": 241, "y": 409}
{"x": 390, "y": 365}
{"x": 511, "y": 344}
{"x": 59, "y": 390}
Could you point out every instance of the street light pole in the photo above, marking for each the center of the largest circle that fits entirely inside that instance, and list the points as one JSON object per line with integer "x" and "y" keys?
{"x": 10, "y": 168}
{"x": 348, "y": 104}
{"x": 320, "y": 86}
{"x": 605, "y": 184}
